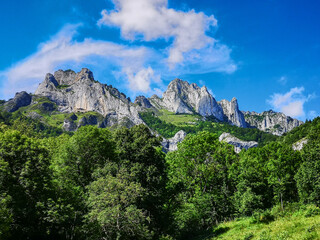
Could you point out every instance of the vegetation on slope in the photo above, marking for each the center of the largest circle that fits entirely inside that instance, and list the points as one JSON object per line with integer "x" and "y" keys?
{"x": 173, "y": 124}
{"x": 299, "y": 224}
{"x": 97, "y": 184}
{"x": 307, "y": 130}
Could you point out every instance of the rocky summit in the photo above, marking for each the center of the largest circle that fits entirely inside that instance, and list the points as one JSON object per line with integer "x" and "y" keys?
{"x": 68, "y": 92}
{"x": 272, "y": 122}
{"x": 232, "y": 112}
{"x": 79, "y": 92}
{"x": 182, "y": 97}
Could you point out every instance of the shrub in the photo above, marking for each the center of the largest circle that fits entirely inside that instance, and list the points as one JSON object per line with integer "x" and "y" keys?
{"x": 262, "y": 217}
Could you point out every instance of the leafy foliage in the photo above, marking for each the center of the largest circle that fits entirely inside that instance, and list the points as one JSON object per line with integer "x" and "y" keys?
{"x": 98, "y": 184}
{"x": 198, "y": 171}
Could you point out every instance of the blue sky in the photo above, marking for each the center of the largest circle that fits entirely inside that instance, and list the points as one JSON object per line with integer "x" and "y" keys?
{"x": 265, "y": 53}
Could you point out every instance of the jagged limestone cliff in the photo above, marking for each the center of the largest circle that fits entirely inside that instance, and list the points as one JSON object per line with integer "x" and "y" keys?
{"x": 272, "y": 122}
{"x": 232, "y": 112}
{"x": 182, "y": 97}
{"x": 79, "y": 92}
{"x": 71, "y": 92}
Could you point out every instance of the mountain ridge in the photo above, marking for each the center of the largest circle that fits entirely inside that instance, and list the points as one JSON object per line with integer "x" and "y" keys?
{"x": 73, "y": 92}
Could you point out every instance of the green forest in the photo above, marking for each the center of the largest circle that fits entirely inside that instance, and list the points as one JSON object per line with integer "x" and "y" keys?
{"x": 100, "y": 183}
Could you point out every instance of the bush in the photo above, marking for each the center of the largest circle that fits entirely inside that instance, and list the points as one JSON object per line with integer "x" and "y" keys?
{"x": 248, "y": 236}
{"x": 264, "y": 235}
{"x": 262, "y": 217}
{"x": 311, "y": 210}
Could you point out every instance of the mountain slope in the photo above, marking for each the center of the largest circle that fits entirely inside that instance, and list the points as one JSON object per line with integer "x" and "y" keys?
{"x": 66, "y": 92}
{"x": 79, "y": 92}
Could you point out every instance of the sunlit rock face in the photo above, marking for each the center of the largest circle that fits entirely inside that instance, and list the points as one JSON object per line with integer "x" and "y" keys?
{"x": 182, "y": 97}
{"x": 232, "y": 112}
{"x": 272, "y": 122}
{"x": 79, "y": 92}
{"x": 236, "y": 142}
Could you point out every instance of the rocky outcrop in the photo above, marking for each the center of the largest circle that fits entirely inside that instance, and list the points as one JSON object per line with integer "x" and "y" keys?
{"x": 172, "y": 143}
{"x": 143, "y": 102}
{"x": 232, "y": 112}
{"x": 21, "y": 99}
{"x": 182, "y": 97}
{"x": 236, "y": 142}
{"x": 297, "y": 146}
{"x": 79, "y": 92}
{"x": 272, "y": 122}
{"x": 65, "y": 77}
{"x": 69, "y": 125}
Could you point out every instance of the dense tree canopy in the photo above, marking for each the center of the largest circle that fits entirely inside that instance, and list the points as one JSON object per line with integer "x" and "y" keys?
{"x": 103, "y": 184}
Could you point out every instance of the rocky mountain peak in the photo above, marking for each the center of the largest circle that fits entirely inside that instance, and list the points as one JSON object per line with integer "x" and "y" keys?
{"x": 69, "y": 77}
{"x": 142, "y": 101}
{"x": 79, "y": 92}
{"x": 50, "y": 79}
{"x": 270, "y": 121}
{"x": 232, "y": 112}
{"x": 65, "y": 77}
{"x": 21, "y": 99}
{"x": 182, "y": 97}
{"x": 85, "y": 73}
{"x": 234, "y": 100}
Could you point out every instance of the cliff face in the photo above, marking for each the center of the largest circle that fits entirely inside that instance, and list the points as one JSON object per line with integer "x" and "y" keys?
{"x": 182, "y": 97}
{"x": 79, "y": 92}
{"x": 232, "y": 112}
{"x": 70, "y": 92}
{"x": 272, "y": 122}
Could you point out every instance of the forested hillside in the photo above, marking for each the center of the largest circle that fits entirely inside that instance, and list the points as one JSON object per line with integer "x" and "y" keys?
{"x": 118, "y": 184}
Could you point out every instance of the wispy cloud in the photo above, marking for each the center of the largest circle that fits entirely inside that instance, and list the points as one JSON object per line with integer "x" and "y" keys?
{"x": 283, "y": 80}
{"x": 61, "y": 49}
{"x": 139, "y": 66}
{"x": 150, "y": 20}
{"x": 291, "y": 103}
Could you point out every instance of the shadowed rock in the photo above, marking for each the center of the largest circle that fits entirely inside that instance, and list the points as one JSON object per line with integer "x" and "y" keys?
{"x": 21, "y": 99}
{"x": 171, "y": 144}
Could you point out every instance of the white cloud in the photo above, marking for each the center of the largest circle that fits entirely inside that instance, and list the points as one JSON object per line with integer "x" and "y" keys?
{"x": 294, "y": 109}
{"x": 188, "y": 50}
{"x": 60, "y": 49}
{"x": 152, "y": 19}
{"x": 141, "y": 81}
{"x": 291, "y": 103}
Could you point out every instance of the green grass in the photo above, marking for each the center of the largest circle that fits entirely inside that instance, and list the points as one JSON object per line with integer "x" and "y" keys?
{"x": 56, "y": 119}
{"x": 178, "y": 119}
{"x": 52, "y": 118}
{"x": 296, "y": 226}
